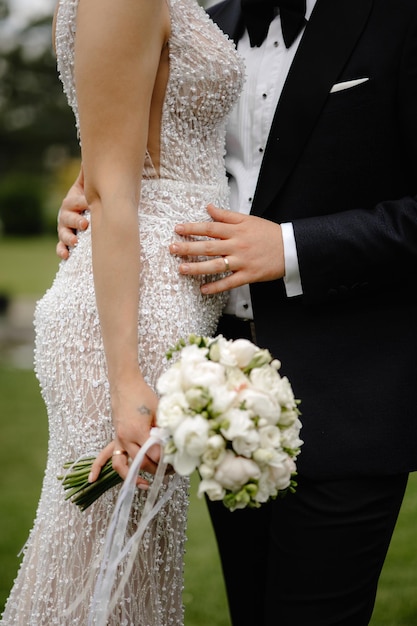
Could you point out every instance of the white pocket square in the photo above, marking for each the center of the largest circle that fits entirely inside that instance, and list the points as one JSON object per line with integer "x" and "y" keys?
{"x": 347, "y": 84}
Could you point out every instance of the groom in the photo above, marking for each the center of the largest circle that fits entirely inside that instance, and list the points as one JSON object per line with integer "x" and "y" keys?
{"x": 322, "y": 157}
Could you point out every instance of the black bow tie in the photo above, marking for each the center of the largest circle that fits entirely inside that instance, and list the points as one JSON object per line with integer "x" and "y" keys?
{"x": 258, "y": 14}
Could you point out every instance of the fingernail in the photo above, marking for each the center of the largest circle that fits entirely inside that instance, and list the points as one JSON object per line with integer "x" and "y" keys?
{"x": 174, "y": 247}
{"x": 204, "y": 289}
{"x": 143, "y": 487}
{"x": 179, "y": 229}
{"x": 90, "y": 477}
{"x": 184, "y": 268}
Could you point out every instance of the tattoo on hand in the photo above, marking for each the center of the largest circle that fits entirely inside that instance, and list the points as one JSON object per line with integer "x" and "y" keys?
{"x": 144, "y": 410}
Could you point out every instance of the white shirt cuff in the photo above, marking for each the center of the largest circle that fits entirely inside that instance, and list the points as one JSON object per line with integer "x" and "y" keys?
{"x": 292, "y": 278}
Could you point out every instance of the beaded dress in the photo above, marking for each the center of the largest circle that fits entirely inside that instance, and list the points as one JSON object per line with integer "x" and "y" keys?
{"x": 63, "y": 550}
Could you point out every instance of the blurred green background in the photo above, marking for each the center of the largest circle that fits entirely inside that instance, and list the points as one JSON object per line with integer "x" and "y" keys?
{"x": 38, "y": 161}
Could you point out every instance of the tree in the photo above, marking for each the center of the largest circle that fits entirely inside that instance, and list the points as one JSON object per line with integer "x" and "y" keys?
{"x": 37, "y": 128}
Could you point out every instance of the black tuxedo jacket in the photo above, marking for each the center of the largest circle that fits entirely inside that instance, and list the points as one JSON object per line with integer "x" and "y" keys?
{"x": 342, "y": 166}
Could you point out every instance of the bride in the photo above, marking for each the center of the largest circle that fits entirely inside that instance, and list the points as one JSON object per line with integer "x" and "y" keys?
{"x": 150, "y": 83}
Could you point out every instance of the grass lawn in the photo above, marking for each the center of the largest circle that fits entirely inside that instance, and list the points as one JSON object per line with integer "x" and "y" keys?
{"x": 27, "y": 265}
{"x": 26, "y": 269}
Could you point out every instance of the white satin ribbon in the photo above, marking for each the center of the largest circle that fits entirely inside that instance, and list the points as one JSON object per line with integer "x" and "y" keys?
{"x": 116, "y": 548}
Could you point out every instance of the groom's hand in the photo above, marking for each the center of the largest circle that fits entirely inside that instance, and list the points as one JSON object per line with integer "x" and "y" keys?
{"x": 244, "y": 249}
{"x": 70, "y": 218}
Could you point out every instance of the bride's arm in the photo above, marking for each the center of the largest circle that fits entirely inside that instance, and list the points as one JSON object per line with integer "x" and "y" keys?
{"x": 117, "y": 54}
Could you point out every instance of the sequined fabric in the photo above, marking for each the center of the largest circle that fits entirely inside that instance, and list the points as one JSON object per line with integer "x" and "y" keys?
{"x": 56, "y": 578}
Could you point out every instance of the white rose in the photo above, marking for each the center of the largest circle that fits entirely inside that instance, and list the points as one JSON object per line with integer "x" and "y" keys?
{"x": 285, "y": 394}
{"x": 182, "y": 462}
{"x": 222, "y": 398}
{"x": 243, "y": 351}
{"x": 171, "y": 411}
{"x": 266, "y": 379}
{"x": 238, "y": 423}
{"x": 221, "y": 351}
{"x": 269, "y": 456}
{"x": 247, "y": 443}
{"x": 190, "y": 439}
{"x": 280, "y": 475}
{"x": 212, "y": 488}
{"x": 206, "y": 472}
{"x": 197, "y": 398}
{"x": 288, "y": 417}
{"x": 269, "y": 437}
{"x": 266, "y": 488}
{"x": 260, "y": 404}
{"x": 290, "y": 463}
{"x": 192, "y": 435}
{"x": 290, "y": 439}
{"x": 235, "y": 471}
{"x": 170, "y": 380}
{"x": 274, "y": 479}
{"x": 216, "y": 447}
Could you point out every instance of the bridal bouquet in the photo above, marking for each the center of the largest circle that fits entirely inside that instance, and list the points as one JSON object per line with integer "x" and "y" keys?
{"x": 226, "y": 412}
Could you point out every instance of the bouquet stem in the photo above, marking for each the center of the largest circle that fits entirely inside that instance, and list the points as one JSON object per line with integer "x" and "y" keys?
{"x": 80, "y": 491}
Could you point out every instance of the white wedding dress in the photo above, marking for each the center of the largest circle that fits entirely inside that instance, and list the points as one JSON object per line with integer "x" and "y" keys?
{"x": 55, "y": 581}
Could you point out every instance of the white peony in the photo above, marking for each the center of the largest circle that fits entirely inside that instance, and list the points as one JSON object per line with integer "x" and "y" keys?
{"x": 200, "y": 372}
{"x": 236, "y": 379}
{"x": 235, "y": 471}
{"x": 170, "y": 381}
{"x": 172, "y": 410}
{"x": 260, "y": 404}
{"x": 267, "y": 379}
{"x": 272, "y": 480}
{"x": 221, "y": 352}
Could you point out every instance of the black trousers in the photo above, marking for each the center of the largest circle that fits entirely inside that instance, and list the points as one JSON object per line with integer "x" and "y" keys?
{"x": 312, "y": 558}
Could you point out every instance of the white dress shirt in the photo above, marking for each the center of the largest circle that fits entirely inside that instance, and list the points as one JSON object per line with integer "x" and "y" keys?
{"x": 247, "y": 133}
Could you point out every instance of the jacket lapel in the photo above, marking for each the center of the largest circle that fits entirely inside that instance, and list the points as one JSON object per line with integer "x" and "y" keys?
{"x": 330, "y": 35}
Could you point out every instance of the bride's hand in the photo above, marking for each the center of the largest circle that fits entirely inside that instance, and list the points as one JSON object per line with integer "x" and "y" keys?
{"x": 108, "y": 453}
{"x": 133, "y": 410}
